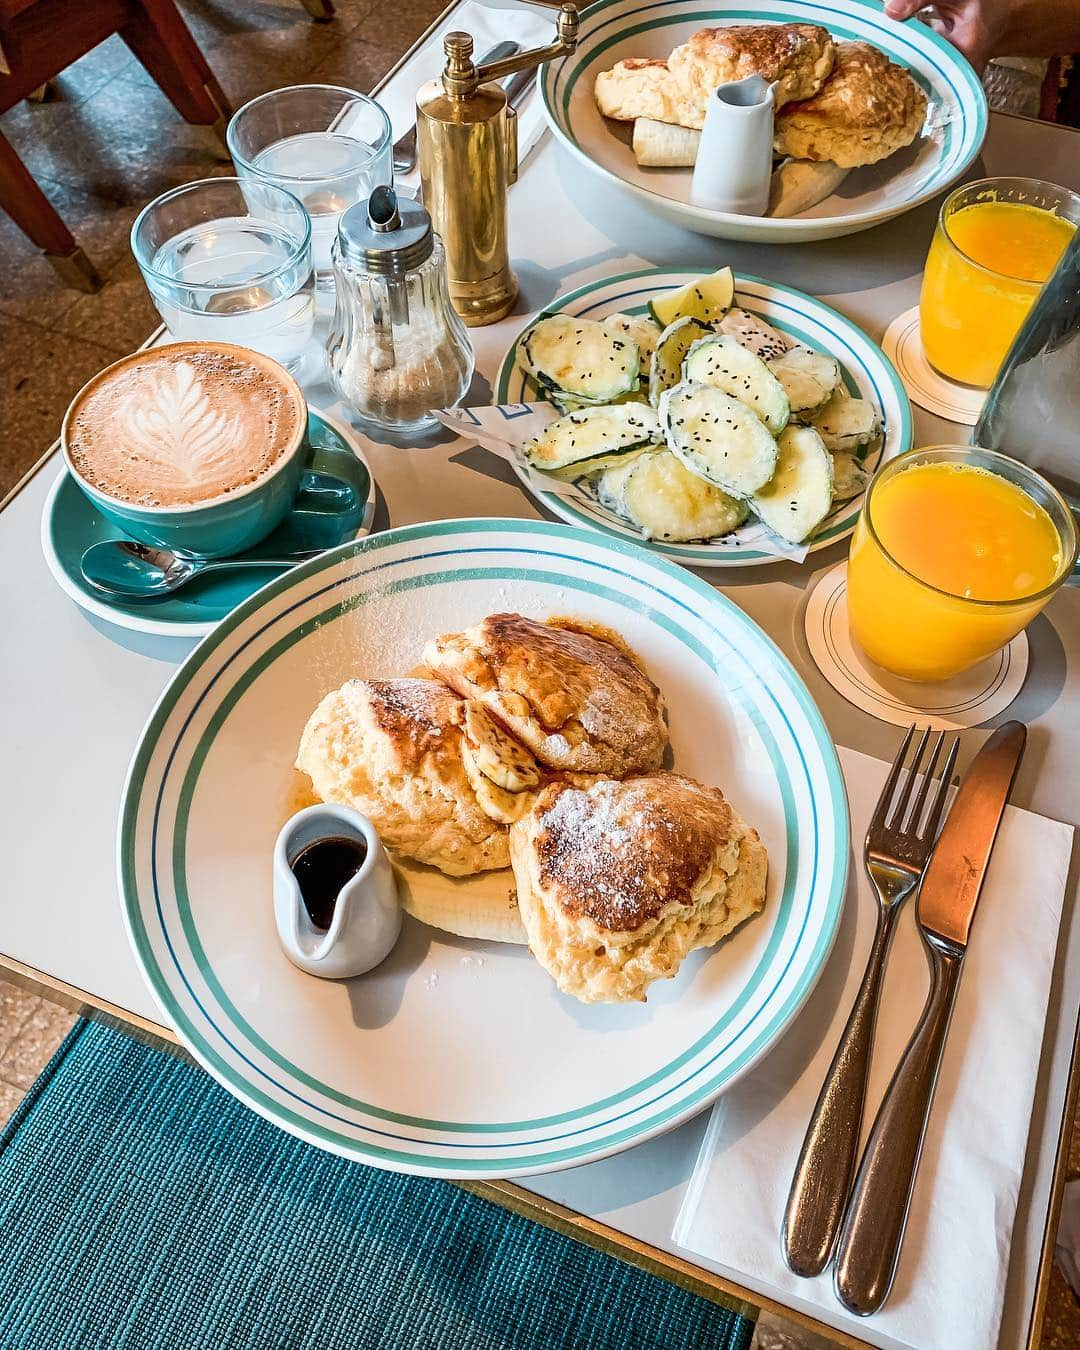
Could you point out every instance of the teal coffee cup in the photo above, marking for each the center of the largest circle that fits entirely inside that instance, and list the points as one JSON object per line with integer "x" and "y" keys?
{"x": 197, "y": 447}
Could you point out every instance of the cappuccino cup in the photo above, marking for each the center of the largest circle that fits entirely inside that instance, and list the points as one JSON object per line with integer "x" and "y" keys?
{"x": 198, "y": 447}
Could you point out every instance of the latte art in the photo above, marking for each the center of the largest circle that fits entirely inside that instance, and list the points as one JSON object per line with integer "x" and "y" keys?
{"x": 183, "y": 424}
{"x": 179, "y": 430}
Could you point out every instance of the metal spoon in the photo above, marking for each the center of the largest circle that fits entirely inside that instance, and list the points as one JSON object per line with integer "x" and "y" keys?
{"x": 125, "y": 570}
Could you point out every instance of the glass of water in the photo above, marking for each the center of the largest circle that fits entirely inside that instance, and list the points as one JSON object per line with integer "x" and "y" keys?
{"x": 230, "y": 262}
{"x": 329, "y": 146}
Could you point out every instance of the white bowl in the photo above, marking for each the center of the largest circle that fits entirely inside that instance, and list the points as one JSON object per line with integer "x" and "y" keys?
{"x": 614, "y": 29}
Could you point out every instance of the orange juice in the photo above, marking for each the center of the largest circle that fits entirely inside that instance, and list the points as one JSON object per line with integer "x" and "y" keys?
{"x": 986, "y": 265}
{"x": 957, "y": 561}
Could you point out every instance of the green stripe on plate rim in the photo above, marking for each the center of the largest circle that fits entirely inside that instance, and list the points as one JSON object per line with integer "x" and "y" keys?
{"x": 346, "y": 1143}
{"x": 836, "y": 529}
{"x": 569, "y": 71}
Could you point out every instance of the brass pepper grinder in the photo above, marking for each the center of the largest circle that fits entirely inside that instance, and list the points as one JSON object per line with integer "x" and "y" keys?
{"x": 467, "y": 144}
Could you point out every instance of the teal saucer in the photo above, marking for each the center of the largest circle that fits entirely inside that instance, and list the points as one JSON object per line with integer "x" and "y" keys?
{"x": 70, "y": 523}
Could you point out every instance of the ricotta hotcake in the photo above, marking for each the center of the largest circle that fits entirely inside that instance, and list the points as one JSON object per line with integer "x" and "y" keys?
{"x": 578, "y": 700}
{"x": 396, "y": 750}
{"x": 618, "y": 881}
{"x": 867, "y": 110}
{"x": 796, "y": 56}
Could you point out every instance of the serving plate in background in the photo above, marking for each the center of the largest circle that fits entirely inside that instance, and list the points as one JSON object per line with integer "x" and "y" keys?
{"x": 614, "y": 29}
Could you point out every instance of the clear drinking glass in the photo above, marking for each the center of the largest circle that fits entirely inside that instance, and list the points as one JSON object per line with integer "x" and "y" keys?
{"x": 330, "y": 147}
{"x": 230, "y": 262}
{"x": 986, "y": 266}
{"x": 920, "y": 630}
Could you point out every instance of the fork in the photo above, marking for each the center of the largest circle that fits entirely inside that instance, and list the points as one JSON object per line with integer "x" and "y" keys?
{"x": 897, "y": 850}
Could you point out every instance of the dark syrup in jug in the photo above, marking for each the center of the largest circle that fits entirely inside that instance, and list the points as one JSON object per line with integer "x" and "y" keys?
{"x": 321, "y": 869}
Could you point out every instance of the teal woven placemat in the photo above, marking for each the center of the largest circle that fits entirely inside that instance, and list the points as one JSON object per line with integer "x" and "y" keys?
{"x": 141, "y": 1206}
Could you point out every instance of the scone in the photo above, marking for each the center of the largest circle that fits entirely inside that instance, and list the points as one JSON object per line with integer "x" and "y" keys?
{"x": 868, "y": 109}
{"x": 617, "y": 882}
{"x": 578, "y": 701}
{"x": 399, "y": 751}
{"x": 797, "y": 56}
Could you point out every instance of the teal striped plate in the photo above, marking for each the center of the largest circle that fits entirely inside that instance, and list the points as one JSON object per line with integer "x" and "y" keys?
{"x": 458, "y": 1058}
{"x": 614, "y": 29}
{"x": 868, "y": 373}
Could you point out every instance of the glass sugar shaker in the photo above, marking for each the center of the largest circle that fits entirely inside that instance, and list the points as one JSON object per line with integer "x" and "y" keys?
{"x": 396, "y": 348}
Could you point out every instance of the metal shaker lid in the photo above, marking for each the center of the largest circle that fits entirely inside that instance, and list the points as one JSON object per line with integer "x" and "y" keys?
{"x": 385, "y": 234}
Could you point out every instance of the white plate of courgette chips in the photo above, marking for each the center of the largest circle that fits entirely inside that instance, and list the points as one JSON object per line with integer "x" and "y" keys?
{"x": 720, "y": 419}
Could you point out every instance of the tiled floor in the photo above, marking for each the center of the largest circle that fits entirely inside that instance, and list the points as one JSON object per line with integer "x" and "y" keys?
{"x": 109, "y": 142}
{"x": 31, "y": 1028}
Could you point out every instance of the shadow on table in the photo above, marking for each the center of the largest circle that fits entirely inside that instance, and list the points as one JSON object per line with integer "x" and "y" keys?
{"x": 886, "y": 253}
{"x": 168, "y": 650}
{"x": 1045, "y": 681}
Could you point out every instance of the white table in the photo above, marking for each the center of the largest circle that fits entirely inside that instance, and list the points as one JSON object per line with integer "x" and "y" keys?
{"x": 75, "y": 694}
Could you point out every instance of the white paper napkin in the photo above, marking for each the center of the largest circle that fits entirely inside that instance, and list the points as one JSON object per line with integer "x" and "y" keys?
{"x": 950, "y": 1287}
{"x": 527, "y": 26}
{"x": 502, "y": 428}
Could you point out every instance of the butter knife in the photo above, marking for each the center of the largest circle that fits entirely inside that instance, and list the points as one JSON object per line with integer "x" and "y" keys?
{"x": 873, "y": 1231}
{"x": 518, "y": 87}
{"x": 405, "y": 146}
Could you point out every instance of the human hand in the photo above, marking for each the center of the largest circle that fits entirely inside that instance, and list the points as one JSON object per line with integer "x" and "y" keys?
{"x": 970, "y": 25}
{"x": 983, "y": 29}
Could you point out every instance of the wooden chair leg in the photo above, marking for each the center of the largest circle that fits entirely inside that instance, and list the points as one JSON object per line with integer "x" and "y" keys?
{"x": 35, "y": 215}
{"x": 322, "y": 11}
{"x": 76, "y": 271}
{"x": 158, "y": 36}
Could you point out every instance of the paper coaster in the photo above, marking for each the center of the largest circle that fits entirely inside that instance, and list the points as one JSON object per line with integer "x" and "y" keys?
{"x": 966, "y": 701}
{"x": 903, "y": 346}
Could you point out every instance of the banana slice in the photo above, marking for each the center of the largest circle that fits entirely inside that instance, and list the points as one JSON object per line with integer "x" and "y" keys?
{"x": 799, "y": 184}
{"x": 661, "y": 145}
{"x": 483, "y": 907}
{"x": 495, "y": 802}
{"x": 496, "y": 754}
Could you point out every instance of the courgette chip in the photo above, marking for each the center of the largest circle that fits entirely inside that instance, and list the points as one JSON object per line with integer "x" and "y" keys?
{"x": 658, "y": 494}
{"x": 754, "y": 334}
{"x": 798, "y": 497}
{"x": 847, "y": 424}
{"x": 718, "y": 438}
{"x": 586, "y": 442}
{"x": 809, "y": 378}
{"x": 665, "y": 368}
{"x": 579, "y": 359}
{"x": 719, "y": 361}
{"x": 639, "y": 328}
{"x": 850, "y": 478}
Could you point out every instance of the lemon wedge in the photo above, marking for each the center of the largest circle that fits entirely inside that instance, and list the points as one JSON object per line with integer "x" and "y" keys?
{"x": 708, "y": 299}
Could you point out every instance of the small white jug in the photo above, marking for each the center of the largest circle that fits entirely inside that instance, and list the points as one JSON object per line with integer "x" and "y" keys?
{"x": 367, "y": 913}
{"x": 733, "y": 169}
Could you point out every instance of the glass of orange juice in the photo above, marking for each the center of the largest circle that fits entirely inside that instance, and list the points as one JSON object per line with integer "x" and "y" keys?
{"x": 955, "y": 551}
{"x": 996, "y": 243}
